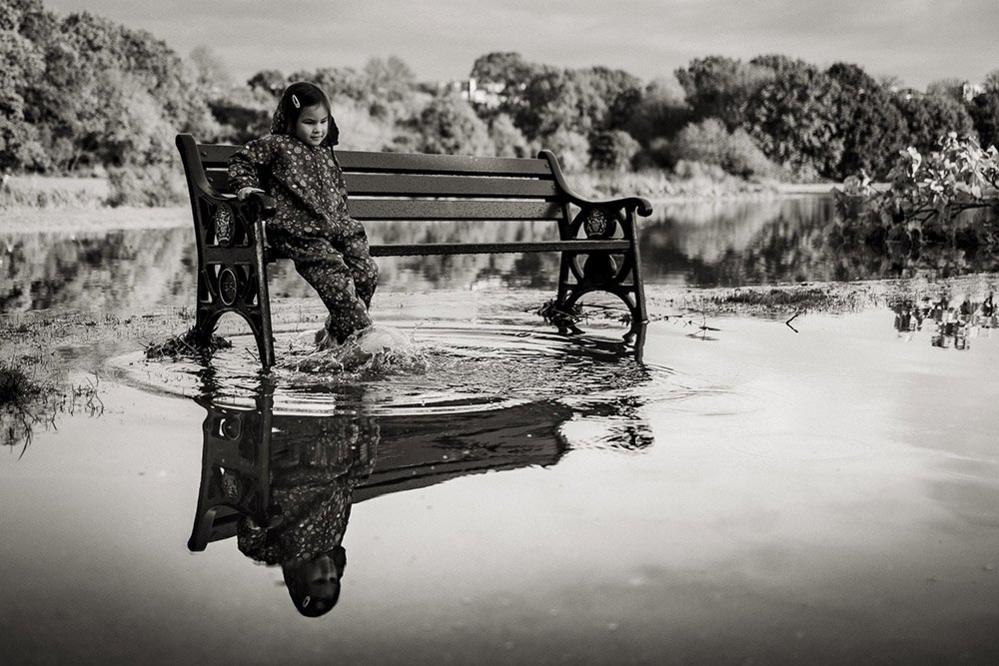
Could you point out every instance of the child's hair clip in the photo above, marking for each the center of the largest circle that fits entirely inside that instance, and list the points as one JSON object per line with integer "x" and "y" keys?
{"x": 295, "y": 102}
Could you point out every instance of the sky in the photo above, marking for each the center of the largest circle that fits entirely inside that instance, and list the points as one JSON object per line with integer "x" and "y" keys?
{"x": 918, "y": 41}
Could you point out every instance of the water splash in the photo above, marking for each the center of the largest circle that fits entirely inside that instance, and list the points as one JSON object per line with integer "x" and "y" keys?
{"x": 377, "y": 351}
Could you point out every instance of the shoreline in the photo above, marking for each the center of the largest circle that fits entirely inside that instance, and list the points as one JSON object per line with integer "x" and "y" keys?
{"x": 33, "y": 220}
{"x": 36, "y": 219}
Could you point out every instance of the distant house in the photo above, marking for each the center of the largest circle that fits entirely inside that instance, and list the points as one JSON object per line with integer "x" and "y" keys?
{"x": 489, "y": 94}
{"x": 971, "y": 90}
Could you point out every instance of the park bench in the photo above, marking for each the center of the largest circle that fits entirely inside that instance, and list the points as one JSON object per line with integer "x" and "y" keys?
{"x": 598, "y": 240}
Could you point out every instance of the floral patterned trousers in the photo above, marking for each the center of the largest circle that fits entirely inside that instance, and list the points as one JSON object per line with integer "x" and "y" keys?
{"x": 336, "y": 263}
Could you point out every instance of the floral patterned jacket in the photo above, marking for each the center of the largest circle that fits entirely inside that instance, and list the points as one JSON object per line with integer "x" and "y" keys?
{"x": 305, "y": 181}
{"x": 314, "y": 471}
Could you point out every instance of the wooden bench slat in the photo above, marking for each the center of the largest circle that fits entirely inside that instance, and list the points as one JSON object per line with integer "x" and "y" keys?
{"x": 422, "y": 209}
{"x": 215, "y": 156}
{"x": 442, "y": 164}
{"x": 385, "y": 184}
{"x": 447, "y": 186}
{"x": 492, "y": 248}
{"x": 218, "y": 178}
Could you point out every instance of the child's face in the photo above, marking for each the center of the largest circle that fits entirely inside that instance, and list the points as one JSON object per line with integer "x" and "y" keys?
{"x": 313, "y": 124}
{"x": 322, "y": 577}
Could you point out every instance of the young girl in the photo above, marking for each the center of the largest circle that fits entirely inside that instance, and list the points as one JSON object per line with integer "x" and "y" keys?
{"x": 295, "y": 164}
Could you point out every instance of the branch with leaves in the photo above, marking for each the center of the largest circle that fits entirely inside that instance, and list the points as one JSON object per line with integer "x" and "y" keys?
{"x": 937, "y": 187}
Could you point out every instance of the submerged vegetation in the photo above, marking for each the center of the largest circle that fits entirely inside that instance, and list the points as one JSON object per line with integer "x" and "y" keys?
{"x": 946, "y": 198}
{"x": 32, "y": 399}
{"x": 186, "y": 345}
{"x": 40, "y": 376}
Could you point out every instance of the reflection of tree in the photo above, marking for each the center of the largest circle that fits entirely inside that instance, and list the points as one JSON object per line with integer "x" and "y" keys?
{"x": 732, "y": 244}
{"x": 727, "y": 244}
{"x": 954, "y": 324}
{"x": 791, "y": 241}
{"x": 113, "y": 271}
{"x": 415, "y": 272}
{"x": 133, "y": 270}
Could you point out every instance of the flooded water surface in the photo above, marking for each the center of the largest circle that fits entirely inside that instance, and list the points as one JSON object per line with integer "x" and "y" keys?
{"x": 822, "y": 488}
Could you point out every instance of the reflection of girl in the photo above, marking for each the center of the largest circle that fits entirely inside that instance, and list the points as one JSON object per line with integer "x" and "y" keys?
{"x": 314, "y": 471}
{"x": 296, "y": 165}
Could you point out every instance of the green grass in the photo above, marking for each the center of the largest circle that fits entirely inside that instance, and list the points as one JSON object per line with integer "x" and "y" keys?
{"x": 35, "y": 384}
{"x": 16, "y": 387}
{"x": 53, "y": 192}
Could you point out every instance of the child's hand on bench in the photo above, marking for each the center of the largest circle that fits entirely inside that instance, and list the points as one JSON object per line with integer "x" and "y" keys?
{"x": 244, "y": 192}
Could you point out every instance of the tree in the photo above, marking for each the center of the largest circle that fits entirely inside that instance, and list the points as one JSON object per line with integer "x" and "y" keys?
{"x": 571, "y": 148}
{"x": 508, "y": 140}
{"x": 389, "y": 80}
{"x": 550, "y": 102}
{"x": 991, "y": 81}
{"x": 449, "y": 126}
{"x": 793, "y": 117}
{"x": 607, "y": 85}
{"x": 20, "y": 63}
{"x": 984, "y": 112}
{"x": 872, "y": 129}
{"x": 927, "y": 192}
{"x": 657, "y": 110}
{"x": 506, "y": 67}
{"x": 709, "y": 142}
{"x": 16, "y": 15}
{"x": 612, "y": 150}
{"x": 213, "y": 74}
{"x": 720, "y": 87}
{"x": 339, "y": 83}
{"x": 930, "y": 117}
{"x": 270, "y": 81}
{"x": 950, "y": 87}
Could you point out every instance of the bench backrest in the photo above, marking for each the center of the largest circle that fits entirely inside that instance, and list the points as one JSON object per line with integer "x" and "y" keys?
{"x": 398, "y": 186}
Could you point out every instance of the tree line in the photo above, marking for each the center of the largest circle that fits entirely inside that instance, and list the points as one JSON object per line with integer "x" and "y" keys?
{"x": 79, "y": 92}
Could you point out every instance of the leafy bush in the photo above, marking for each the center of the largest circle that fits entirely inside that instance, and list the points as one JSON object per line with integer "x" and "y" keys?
{"x": 571, "y": 148}
{"x": 709, "y": 142}
{"x": 612, "y": 150}
{"x": 694, "y": 180}
{"x": 693, "y": 170}
{"x": 927, "y": 193}
{"x": 509, "y": 141}
{"x": 449, "y": 126}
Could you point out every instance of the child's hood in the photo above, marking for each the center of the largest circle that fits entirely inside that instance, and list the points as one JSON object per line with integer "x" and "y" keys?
{"x": 279, "y": 125}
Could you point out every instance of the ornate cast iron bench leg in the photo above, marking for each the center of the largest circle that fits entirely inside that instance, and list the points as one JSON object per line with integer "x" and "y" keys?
{"x": 616, "y": 273}
{"x": 232, "y": 276}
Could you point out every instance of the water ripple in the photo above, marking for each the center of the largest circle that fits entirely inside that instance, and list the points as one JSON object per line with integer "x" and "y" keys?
{"x": 448, "y": 369}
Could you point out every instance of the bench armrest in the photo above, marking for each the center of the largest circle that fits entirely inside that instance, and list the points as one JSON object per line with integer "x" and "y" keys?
{"x": 257, "y": 204}
{"x": 640, "y": 204}
{"x": 260, "y": 205}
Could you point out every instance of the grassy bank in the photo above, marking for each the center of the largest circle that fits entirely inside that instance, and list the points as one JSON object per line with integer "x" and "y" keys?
{"x": 662, "y": 186}
{"x": 83, "y": 220}
{"x": 33, "y": 191}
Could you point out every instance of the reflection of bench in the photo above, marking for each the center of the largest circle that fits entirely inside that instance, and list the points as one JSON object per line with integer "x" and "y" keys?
{"x": 597, "y": 239}
{"x": 242, "y": 445}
